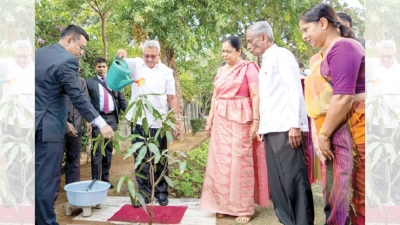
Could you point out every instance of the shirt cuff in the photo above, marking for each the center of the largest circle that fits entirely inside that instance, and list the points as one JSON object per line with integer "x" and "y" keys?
{"x": 99, "y": 122}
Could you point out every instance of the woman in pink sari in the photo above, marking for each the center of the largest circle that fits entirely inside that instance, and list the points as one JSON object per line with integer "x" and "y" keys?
{"x": 236, "y": 174}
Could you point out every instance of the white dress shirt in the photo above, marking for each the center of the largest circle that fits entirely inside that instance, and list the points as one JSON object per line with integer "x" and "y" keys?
{"x": 281, "y": 98}
{"x": 23, "y": 90}
{"x": 383, "y": 81}
{"x": 158, "y": 80}
{"x": 101, "y": 97}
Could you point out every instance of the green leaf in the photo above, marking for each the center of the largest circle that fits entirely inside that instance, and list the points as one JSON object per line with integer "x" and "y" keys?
{"x": 182, "y": 167}
{"x": 118, "y": 137}
{"x": 132, "y": 200}
{"x": 154, "y": 149}
{"x": 181, "y": 153}
{"x": 145, "y": 126}
{"x": 133, "y": 149}
{"x": 102, "y": 147}
{"x": 172, "y": 125}
{"x": 148, "y": 106}
{"x": 376, "y": 156}
{"x": 129, "y": 108}
{"x": 96, "y": 142}
{"x": 169, "y": 136}
{"x": 6, "y": 147}
{"x": 140, "y": 175}
{"x": 12, "y": 155}
{"x": 139, "y": 158}
{"x": 133, "y": 136}
{"x": 117, "y": 147}
{"x": 27, "y": 150}
{"x": 169, "y": 181}
{"x": 120, "y": 182}
{"x": 157, "y": 133}
{"x": 138, "y": 114}
{"x": 131, "y": 187}
{"x": 141, "y": 201}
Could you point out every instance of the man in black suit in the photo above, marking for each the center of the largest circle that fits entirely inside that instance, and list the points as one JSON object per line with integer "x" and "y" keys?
{"x": 56, "y": 79}
{"x": 72, "y": 143}
{"x": 108, "y": 103}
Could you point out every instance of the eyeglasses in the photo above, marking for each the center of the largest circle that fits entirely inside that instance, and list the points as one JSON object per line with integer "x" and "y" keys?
{"x": 383, "y": 56}
{"x": 150, "y": 56}
{"x": 82, "y": 47}
{"x": 17, "y": 56}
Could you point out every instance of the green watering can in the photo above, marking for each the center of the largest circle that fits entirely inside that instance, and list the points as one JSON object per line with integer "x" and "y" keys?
{"x": 118, "y": 75}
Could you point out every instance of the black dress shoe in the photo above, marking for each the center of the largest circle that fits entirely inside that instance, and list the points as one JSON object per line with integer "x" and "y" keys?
{"x": 111, "y": 185}
{"x": 162, "y": 199}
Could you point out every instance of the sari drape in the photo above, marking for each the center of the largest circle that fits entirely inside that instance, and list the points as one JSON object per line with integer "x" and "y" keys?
{"x": 343, "y": 178}
{"x": 236, "y": 175}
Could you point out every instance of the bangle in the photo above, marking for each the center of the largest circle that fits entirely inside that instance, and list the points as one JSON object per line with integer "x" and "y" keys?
{"x": 321, "y": 131}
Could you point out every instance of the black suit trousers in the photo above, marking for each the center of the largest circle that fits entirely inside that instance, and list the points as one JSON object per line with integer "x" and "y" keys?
{"x": 288, "y": 180}
{"x": 102, "y": 164}
{"x": 48, "y": 156}
{"x": 145, "y": 184}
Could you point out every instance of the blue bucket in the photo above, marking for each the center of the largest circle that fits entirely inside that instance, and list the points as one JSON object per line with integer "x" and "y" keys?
{"x": 118, "y": 76}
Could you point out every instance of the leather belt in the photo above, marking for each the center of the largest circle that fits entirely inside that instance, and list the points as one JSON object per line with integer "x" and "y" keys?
{"x": 106, "y": 114}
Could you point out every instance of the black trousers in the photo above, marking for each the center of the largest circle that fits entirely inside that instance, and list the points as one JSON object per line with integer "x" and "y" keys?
{"x": 145, "y": 184}
{"x": 288, "y": 181}
{"x": 48, "y": 156}
{"x": 72, "y": 147}
{"x": 102, "y": 164}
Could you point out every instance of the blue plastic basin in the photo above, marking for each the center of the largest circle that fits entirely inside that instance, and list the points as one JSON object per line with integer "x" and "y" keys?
{"x": 78, "y": 196}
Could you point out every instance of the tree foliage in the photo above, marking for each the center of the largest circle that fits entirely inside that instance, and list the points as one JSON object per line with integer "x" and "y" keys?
{"x": 190, "y": 32}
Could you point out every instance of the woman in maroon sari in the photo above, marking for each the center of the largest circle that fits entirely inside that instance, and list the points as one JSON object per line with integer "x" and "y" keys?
{"x": 233, "y": 179}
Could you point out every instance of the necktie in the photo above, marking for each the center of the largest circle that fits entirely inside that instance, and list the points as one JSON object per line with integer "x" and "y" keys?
{"x": 105, "y": 108}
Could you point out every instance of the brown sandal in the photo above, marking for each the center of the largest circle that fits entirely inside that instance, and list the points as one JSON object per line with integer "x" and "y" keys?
{"x": 243, "y": 219}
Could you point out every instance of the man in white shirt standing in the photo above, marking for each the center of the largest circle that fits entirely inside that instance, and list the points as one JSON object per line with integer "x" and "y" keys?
{"x": 383, "y": 97}
{"x": 282, "y": 119}
{"x": 158, "y": 79}
{"x": 19, "y": 91}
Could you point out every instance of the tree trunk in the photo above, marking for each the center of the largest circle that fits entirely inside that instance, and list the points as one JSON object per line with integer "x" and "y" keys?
{"x": 168, "y": 56}
{"x": 103, "y": 33}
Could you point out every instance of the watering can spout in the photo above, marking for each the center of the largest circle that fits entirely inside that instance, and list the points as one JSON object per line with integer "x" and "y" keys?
{"x": 126, "y": 82}
{"x": 118, "y": 75}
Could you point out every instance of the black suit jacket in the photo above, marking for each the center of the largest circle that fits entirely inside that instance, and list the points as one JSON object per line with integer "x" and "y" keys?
{"x": 56, "y": 79}
{"x": 94, "y": 94}
{"x": 74, "y": 117}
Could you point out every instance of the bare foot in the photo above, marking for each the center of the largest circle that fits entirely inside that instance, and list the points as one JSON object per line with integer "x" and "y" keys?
{"x": 243, "y": 219}
{"x": 220, "y": 215}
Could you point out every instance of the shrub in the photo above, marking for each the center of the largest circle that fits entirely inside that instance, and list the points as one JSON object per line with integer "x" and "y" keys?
{"x": 197, "y": 125}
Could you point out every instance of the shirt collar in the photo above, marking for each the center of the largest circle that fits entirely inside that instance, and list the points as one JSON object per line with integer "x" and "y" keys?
{"x": 269, "y": 51}
{"x": 99, "y": 77}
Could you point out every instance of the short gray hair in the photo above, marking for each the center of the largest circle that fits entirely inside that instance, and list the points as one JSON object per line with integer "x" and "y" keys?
{"x": 23, "y": 44}
{"x": 151, "y": 44}
{"x": 262, "y": 27}
{"x": 387, "y": 44}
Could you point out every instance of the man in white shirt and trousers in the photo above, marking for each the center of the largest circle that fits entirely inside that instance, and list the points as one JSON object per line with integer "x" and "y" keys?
{"x": 282, "y": 119}
{"x": 158, "y": 79}
{"x": 19, "y": 90}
